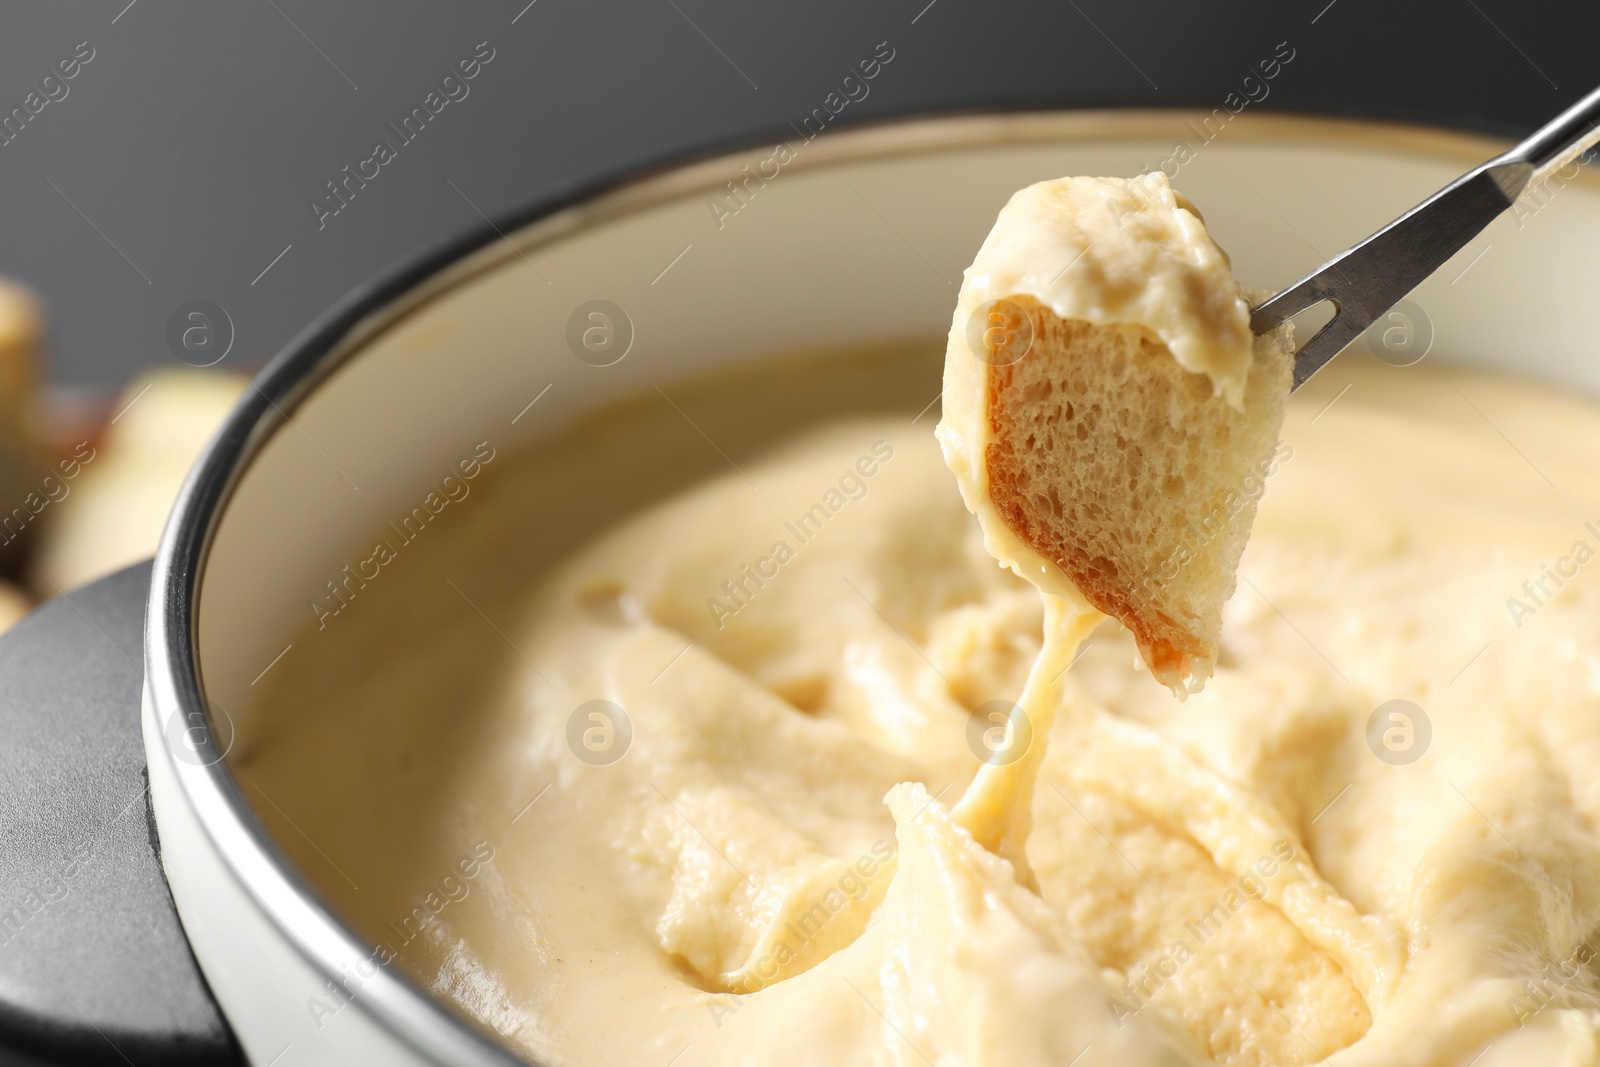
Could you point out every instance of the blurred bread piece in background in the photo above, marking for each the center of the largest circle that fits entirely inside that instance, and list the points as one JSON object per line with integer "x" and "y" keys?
{"x": 22, "y": 458}
{"x": 118, "y": 500}
{"x": 21, "y": 329}
{"x": 14, "y": 604}
{"x": 79, "y": 500}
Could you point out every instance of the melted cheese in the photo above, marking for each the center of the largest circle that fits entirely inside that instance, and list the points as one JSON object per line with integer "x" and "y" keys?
{"x": 778, "y": 869}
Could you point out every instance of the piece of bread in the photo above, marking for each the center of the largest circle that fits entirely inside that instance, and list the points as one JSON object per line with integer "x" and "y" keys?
{"x": 22, "y": 461}
{"x": 1131, "y": 476}
{"x": 21, "y": 331}
{"x": 1100, "y": 465}
{"x": 112, "y": 506}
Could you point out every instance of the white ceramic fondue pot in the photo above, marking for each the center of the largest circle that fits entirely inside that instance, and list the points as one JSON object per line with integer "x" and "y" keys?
{"x": 519, "y": 328}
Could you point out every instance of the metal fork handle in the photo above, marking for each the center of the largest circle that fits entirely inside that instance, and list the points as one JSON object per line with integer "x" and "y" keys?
{"x": 1366, "y": 280}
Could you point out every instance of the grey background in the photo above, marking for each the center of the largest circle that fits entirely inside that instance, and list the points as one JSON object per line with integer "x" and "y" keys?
{"x": 182, "y": 160}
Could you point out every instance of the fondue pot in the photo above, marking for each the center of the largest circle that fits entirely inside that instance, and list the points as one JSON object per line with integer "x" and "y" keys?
{"x": 509, "y": 334}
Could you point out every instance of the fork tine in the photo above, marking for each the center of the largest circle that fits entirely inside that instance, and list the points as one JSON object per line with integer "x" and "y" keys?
{"x": 1369, "y": 278}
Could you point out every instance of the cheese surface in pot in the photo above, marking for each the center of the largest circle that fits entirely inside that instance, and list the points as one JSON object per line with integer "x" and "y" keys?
{"x": 690, "y": 794}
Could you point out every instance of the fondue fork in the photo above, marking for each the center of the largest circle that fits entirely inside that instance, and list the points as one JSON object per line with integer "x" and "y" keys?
{"x": 1366, "y": 280}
